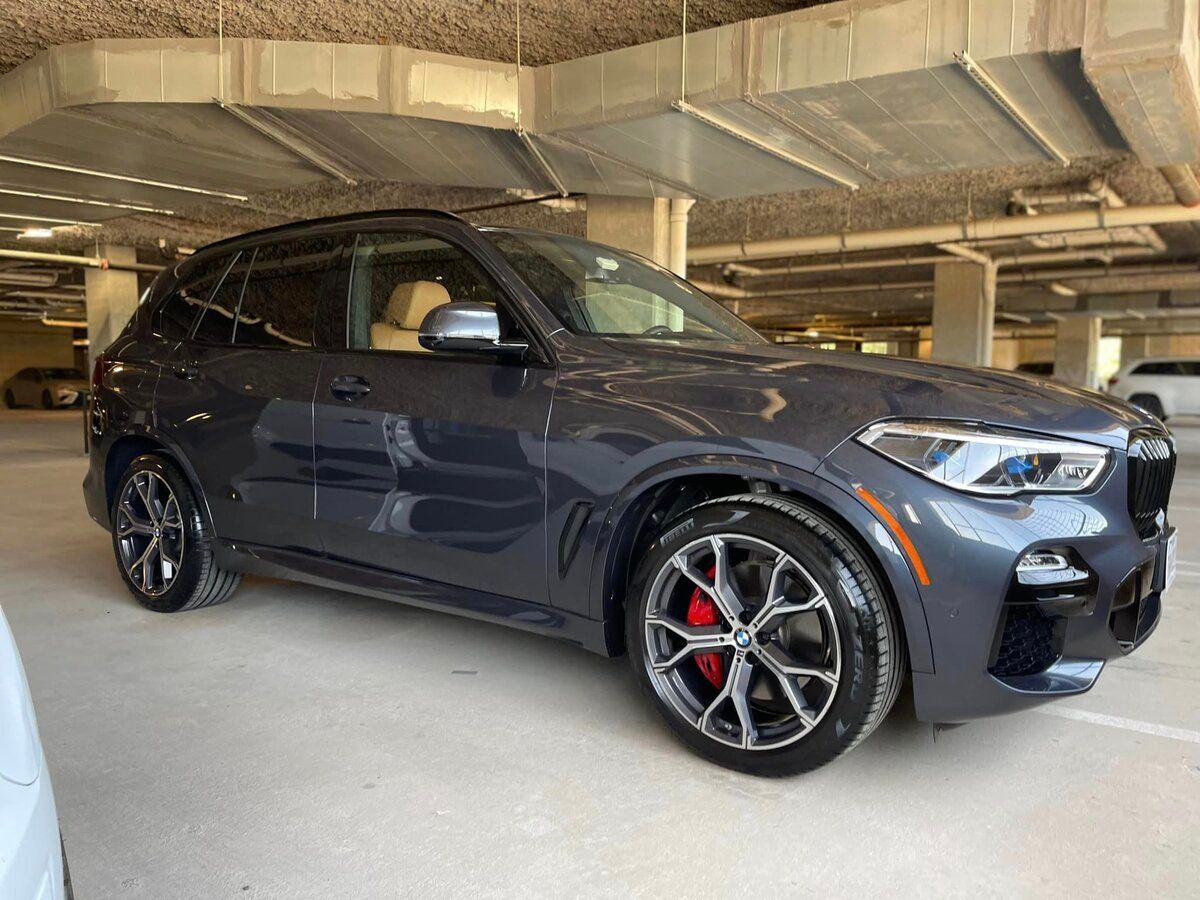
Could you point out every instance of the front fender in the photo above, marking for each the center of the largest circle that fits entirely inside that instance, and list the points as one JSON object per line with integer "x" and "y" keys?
{"x": 622, "y": 517}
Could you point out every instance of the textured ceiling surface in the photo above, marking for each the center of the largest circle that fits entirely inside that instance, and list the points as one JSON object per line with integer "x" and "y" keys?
{"x": 551, "y": 30}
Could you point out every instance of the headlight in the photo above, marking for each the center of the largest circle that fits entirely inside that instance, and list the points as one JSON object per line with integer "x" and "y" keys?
{"x": 985, "y": 460}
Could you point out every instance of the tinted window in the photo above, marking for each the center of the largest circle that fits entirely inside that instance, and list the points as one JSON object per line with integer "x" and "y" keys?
{"x": 216, "y": 322}
{"x": 398, "y": 277}
{"x": 281, "y": 291}
{"x": 1190, "y": 367}
{"x": 598, "y": 290}
{"x": 62, "y": 374}
{"x": 178, "y": 311}
{"x": 1158, "y": 368}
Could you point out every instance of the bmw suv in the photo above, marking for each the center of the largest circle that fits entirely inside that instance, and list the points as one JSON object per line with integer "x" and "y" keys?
{"x": 555, "y": 435}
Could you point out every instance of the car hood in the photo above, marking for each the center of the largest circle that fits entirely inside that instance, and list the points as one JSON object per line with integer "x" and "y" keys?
{"x": 835, "y": 394}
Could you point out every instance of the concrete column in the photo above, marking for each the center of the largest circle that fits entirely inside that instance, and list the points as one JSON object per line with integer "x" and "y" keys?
{"x": 678, "y": 222}
{"x": 112, "y": 298}
{"x": 1134, "y": 346}
{"x": 1077, "y": 350}
{"x": 638, "y": 224}
{"x": 964, "y": 312}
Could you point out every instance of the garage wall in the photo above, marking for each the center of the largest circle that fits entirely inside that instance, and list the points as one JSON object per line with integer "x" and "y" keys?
{"x": 33, "y": 344}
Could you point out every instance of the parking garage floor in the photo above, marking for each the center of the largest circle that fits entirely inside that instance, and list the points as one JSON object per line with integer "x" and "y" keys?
{"x": 300, "y": 742}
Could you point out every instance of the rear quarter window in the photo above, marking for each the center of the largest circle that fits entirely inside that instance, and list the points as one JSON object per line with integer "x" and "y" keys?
{"x": 178, "y": 311}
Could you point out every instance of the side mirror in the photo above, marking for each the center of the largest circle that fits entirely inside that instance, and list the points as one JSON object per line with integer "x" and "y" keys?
{"x": 466, "y": 325}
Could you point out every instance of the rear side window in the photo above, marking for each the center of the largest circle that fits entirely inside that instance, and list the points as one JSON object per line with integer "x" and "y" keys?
{"x": 177, "y": 313}
{"x": 1169, "y": 367}
{"x": 281, "y": 291}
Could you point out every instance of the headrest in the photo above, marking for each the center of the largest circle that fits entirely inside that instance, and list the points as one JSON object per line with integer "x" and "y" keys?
{"x": 411, "y": 301}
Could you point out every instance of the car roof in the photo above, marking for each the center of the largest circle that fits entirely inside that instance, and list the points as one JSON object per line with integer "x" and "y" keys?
{"x": 346, "y": 219}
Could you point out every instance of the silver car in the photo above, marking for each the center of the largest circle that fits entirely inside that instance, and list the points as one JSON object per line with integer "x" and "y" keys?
{"x": 47, "y": 388}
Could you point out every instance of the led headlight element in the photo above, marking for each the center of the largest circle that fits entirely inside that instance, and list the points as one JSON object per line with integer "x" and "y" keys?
{"x": 986, "y": 460}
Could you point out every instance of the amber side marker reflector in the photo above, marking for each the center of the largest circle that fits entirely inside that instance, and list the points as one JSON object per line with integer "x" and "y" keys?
{"x": 898, "y": 530}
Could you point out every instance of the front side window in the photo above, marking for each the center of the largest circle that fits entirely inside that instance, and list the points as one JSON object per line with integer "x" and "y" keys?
{"x": 1158, "y": 368}
{"x": 397, "y": 278}
{"x": 594, "y": 289}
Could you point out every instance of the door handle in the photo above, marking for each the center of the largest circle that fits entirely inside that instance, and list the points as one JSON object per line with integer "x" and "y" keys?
{"x": 187, "y": 371}
{"x": 349, "y": 388}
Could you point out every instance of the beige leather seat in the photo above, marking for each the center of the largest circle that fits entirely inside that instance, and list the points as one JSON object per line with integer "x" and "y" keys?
{"x": 410, "y": 302}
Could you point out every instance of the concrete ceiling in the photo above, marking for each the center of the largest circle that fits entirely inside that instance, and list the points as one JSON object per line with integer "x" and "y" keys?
{"x": 555, "y": 33}
{"x": 551, "y": 30}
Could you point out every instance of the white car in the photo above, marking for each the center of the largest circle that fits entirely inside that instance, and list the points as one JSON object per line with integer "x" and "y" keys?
{"x": 1163, "y": 387}
{"x": 32, "y": 862}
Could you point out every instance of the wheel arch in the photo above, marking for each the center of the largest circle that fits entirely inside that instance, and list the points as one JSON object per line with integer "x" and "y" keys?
{"x": 658, "y": 494}
{"x": 129, "y": 446}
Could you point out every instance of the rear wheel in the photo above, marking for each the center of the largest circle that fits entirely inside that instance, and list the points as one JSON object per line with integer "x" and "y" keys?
{"x": 1149, "y": 403}
{"x": 163, "y": 547}
{"x": 762, "y": 636}
{"x": 9, "y": 400}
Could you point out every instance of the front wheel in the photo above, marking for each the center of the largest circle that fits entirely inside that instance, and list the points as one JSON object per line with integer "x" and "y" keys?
{"x": 9, "y": 400}
{"x": 163, "y": 547}
{"x": 762, "y": 636}
{"x": 47, "y": 400}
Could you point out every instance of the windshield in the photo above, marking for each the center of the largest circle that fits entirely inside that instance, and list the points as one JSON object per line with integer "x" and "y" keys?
{"x": 597, "y": 290}
{"x": 62, "y": 374}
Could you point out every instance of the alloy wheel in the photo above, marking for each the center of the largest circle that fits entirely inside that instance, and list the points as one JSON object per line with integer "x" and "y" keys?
{"x": 150, "y": 533}
{"x": 741, "y": 641}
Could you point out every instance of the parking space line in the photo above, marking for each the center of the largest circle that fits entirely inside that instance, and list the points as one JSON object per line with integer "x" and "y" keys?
{"x": 1080, "y": 715}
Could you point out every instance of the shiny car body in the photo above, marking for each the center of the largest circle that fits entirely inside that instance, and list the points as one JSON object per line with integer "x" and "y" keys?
{"x": 521, "y": 489}
{"x": 31, "y": 858}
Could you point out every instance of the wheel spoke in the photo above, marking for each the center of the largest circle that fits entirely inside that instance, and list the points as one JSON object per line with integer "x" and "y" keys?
{"x": 697, "y": 639}
{"x": 171, "y": 517}
{"x": 735, "y": 690}
{"x": 778, "y": 662}
{"x": 143, "y": 562}
{"x": 146, "y": 490}
{"x": 166, "y": 564}
{"x": 134, "y": 523}
{"x": 725, "y": 593}
{"x": 777, "y": 602}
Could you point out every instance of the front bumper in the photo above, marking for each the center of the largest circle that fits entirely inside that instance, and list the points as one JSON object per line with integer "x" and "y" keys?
{"x": 970, "y": 546}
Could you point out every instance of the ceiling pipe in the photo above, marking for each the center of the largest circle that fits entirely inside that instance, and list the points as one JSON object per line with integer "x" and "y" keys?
{"x": 946, "y": 232}
{"x": 1106, "y": 255}
{"x": 732, "y": 292}
{"x": 1183, "y": 182}
{"x": 677, "y": 223}
{"x": 92, "y": 262}
{"x": 28, "y": 279}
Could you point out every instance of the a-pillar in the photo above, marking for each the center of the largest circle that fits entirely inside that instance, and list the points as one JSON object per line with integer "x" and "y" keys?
{"x": 964, "y": 313}
{"x": 112, "y": 298}
{"x": 640, "y": 225}
{"x": 1077, "y": 350}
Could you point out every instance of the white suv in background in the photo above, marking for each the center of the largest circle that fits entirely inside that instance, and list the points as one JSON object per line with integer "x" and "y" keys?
{"x": 1162, "y": 387}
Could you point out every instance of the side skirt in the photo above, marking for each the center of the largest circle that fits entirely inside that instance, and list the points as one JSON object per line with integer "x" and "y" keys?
{"x": 326, "y": 572}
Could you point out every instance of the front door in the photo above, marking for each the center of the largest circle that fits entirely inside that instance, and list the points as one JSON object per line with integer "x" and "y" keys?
{"x": 237, "y": 398}
{"x": 430, "y": 464}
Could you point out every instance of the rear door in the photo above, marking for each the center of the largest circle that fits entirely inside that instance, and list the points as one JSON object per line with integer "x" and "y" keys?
{"x": 238, "y": 396}
{"x": 430, "y": 464}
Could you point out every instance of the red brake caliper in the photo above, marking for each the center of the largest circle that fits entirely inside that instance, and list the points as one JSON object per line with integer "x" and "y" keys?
{"x": 702, "y": 611}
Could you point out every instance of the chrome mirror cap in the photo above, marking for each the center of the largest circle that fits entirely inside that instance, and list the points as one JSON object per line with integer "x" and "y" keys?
{"x": 465, "y": 325}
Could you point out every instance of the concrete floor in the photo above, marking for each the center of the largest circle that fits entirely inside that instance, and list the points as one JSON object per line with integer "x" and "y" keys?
{"x": 299, "y": 742}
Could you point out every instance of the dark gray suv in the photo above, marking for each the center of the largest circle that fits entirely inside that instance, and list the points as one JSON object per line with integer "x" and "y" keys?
{"x": 556, "y": 435}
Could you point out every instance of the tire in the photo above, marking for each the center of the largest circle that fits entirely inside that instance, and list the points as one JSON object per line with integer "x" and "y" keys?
{"x": 9, "y": 400}
{"x": 181, "y": 537}
{"x": 47, "y": 400}
{"x": 1149, "y": 403}
{"x": 844, "y": 630}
